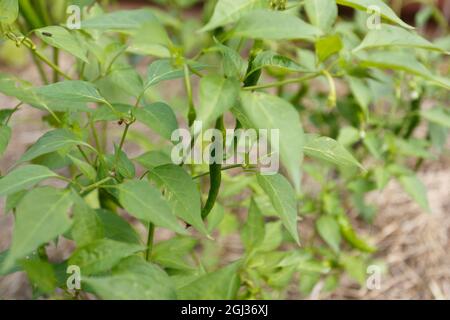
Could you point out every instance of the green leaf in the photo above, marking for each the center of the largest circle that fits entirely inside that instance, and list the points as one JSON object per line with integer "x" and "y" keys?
{"x": 127, "y": 79}
{"x": 23, "y": 178}
{"x": 274, "y": 60}
{"x": 9, "y": 11}
{"x": 41, "y": 217}
{"x": 328, "y": 229}
{"x": 5, "y": 136}
{"x": 172, "y": 253}
{"x": 217, "y": 95}
{"x": 361, "y": 92}
{"x": 41, "y": 274}
{"x": 151, "y": 39}
{"x": 181, "y": 193}
{"x": 25, "y": 92}
{"x": 437, "y": 115}
{"x": 101, "y": 255}
{"x": 355, "y": 267}
{"x": 71, "y": 90}
{"x": 134, "y": 279}
{"x": 120, "y": 21}
{"x": 53, "y": 141}
{"x": 273, "y": 236}
{"x": 124, "y": 165}
{"x": 283, "y": 199}
{"x": 222, "y": 284}
{"x": 84, "y": 167}
{"x": 416, "y": 189}
{"x": 159, "y": 117}
{"x": 393, "y": 36}
{"x": 145, "y": 202}
{"x": 13, "y": 200}
{"x": 12, "y": 269}
{"x": 87, "y": 226}
{"x": 229, "y": 11}
{"x": 233, "y": 64}
{"x": 152, "y": 159}
{"x": 402, "y": 61}
{"x": 117, "y": 228}
{"x": 59, "y": 37}
{"x": 271, "y": 112}
{"x": 348, "y": 136}
{"x": 329, "y": 150}
{"x": 163, "y": 70}
{"x": 326, "y": 47}
{"x": 253, "y": 231}
{"x": 282, "y": 26}
{"x": 385, "y": 11}
{"x": 321, "y": 13}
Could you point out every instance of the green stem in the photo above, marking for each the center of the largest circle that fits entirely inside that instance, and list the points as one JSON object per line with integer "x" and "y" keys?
{"x": 84, "y": 154}
{"x": 40, "y": 69}
{"x": 233, "y": 166}
{"x": 281, "y": 83}
{"x": 124, "y": 136}
{"x": 56, "y": 62}
{"x": 48, "y": 62}
{"x": 27, "y": 42}
{"x": 13, "y": 111}
{"x": 187, "y": 83}
{"x": 95, "y": 185}
{"x": 121, "y": 143}
{"x": 150, "y": 237}
{"x": 95, "y": 135}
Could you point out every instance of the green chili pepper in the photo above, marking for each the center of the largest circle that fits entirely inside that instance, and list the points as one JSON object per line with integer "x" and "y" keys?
{"x": 215, "y": 177}
{"x": 350, "y": 235}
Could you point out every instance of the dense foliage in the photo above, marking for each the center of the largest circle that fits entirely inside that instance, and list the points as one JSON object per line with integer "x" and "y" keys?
{"x": 347, "y": 127}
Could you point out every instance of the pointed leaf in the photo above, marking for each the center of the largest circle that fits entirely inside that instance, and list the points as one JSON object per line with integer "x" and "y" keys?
{"x": 217, "y": 95}
{"x": 392, "y": 36}
{"x": 321, "y": 13}
{"x": 271, "y": 112}
{"x": 41, "y": 216}
{"x": 158, "y": 117}
{"x": 59, "y": 37}
{"x": 283, "y": 199}
{"x": 117, "y": 228}
{"x": 385, "y": 11}
{"x": 402, "y": 61}
{"x": 101, "y": 255}
{"x": 416, "y": 189}
{"x": 71, "y": 90}
{"x": 437, "y": 115}
{"x": 229, "y": 11}
{"x": 253, "y": 230}
{"x": 145, "y": 202}
{"x": 9, "y": 11}
{"x": 328, "y": 229}
{"x": 52, "y": 141}
{"x": 134, "y": 279}
{"x": 5, "y": 136}
{"x": 23, "y": 178}
{"x": 330, "y": 150}
{"x": 122, "y": 21}
{"x": 282, "y": 26}
{"x": 181, "y": 192}
{"x": 222, "y": 284}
